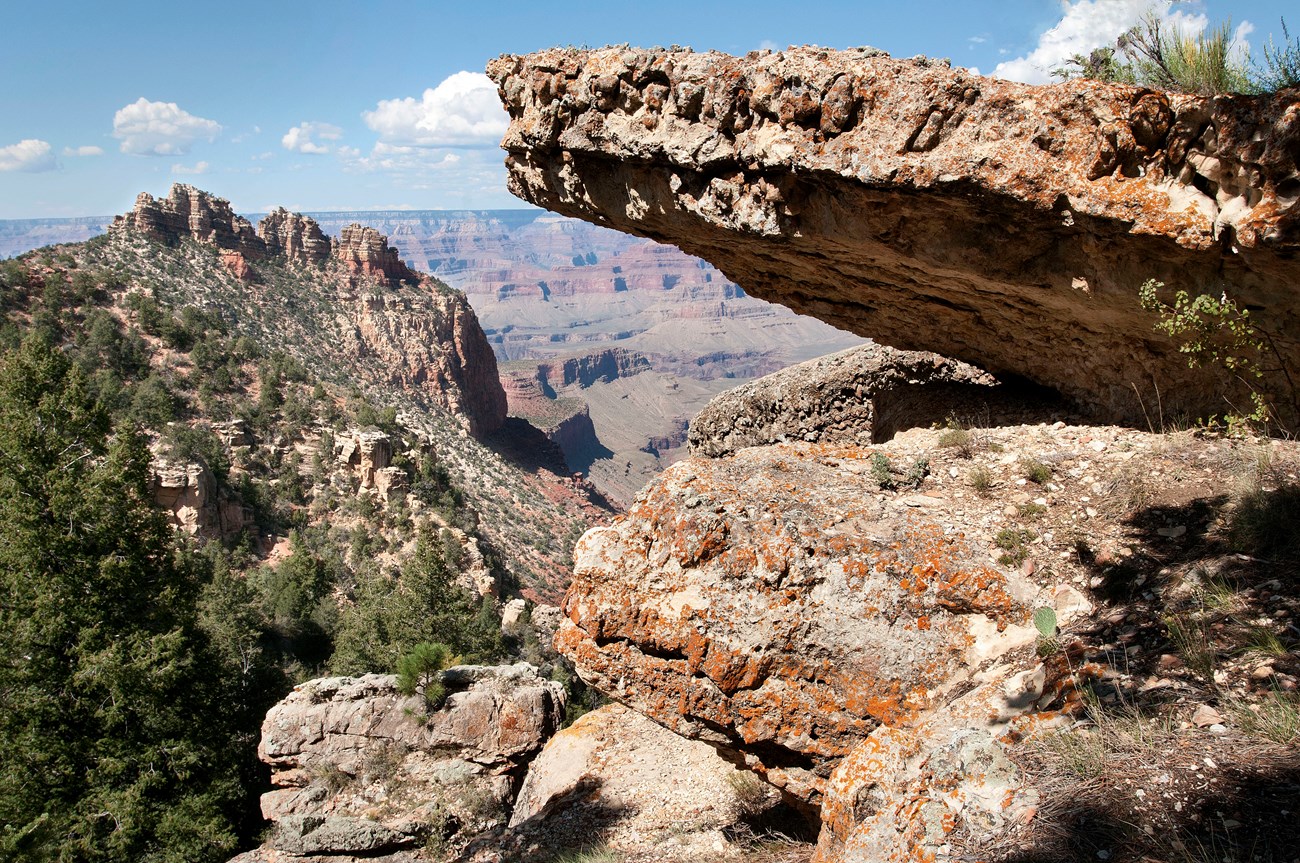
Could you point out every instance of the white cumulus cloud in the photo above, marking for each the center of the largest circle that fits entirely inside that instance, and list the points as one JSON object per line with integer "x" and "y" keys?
{"x": 197, "y": 168}
{"x": 31, "y": 155}
{"x": 462, "y": 111}
{"x": 160, "y": 128}
{"x": 1089, "y": 24}
{"x": 302, "y": 138}
{"x": 88, "y": 150}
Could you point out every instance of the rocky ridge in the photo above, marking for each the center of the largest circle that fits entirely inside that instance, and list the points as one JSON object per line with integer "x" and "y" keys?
{"x": 1001, "y": 224}
{"x": 191, "y": 213}
{"x": 423, "y": 335}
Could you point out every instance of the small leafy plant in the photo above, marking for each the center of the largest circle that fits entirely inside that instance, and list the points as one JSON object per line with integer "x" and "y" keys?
{"x": 1216, "y": 331}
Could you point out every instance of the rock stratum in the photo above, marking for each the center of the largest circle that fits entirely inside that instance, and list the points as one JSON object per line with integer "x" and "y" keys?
{"x": 928, "y": 208}
{"x": 424, "y": 336}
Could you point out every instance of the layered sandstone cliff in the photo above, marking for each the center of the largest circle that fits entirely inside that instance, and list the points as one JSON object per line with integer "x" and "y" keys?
{"x": 929, "y": 208}
{"x": 419, "y": 335}
{"x": 190, "y": 213}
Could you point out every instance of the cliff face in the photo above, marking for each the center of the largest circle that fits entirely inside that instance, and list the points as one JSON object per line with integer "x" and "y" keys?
{"x": 191, "y": 213}
{"x": 586, "y": 369}
{"x": 928, "y": 208}
{"x": 423, "y": 336}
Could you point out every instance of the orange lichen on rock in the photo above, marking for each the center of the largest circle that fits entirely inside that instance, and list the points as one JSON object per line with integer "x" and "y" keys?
{"x": 772, "y": 604}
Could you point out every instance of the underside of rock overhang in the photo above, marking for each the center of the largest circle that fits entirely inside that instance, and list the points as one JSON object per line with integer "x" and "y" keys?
{"x": 929, "y": 208}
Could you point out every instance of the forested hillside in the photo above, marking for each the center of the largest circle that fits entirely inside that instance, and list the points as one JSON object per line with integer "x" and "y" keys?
{"x": 231, "y": 461}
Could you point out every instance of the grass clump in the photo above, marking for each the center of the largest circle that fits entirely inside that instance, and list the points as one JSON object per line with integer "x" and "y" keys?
{"x": 1031, "y": 510}
{"x": 1275, "y": 717}
{"x": 1015, "y": 545}
{"x": 750, "y": 791}
{"x": 1263, "y": 522}
{"x": 958, "y": 438}
{"x": 1036, "y": 471}
{"x": 981, "y": 480}
{"x": 592, "y": 854}
{"x": 1155, "y": 54}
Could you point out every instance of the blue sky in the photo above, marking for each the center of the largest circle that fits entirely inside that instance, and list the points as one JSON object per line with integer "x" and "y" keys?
{"x": 329, "y": 105}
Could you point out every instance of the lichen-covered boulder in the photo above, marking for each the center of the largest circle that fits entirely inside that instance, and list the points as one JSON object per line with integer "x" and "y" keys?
{"x": 777, "y": 605}
{"x": 362, "y": 769}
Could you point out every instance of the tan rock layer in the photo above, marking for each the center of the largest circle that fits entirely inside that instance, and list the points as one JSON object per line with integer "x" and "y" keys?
{"x": 929, "y": 208}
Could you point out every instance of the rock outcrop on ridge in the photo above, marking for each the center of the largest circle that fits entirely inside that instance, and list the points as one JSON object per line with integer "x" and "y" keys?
{"x": 423, "y": 336}
{"x": 929, "y": 208}
{"x": 192, "y": 213}
{"x": 361, "y": 769}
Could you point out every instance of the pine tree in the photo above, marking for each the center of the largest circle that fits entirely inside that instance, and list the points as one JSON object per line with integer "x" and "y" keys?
{"x": 111, "y": 740}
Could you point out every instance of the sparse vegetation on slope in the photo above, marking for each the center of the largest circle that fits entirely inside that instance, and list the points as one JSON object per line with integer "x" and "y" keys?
{"x": 334, "y": 514}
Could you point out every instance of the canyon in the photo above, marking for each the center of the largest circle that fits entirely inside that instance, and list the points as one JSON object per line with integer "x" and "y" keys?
{"x": 550, "y": 290}
{"x": 845, "y": 602}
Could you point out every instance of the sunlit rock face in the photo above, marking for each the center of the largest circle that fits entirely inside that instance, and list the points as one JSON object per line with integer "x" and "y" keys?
{"x": 929, "y": 208}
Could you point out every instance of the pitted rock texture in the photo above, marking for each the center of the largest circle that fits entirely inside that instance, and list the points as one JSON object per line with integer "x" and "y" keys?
{"x": 902, "y": 793}
{"x": 854, "y": 396}
{"x": 360, "y": 768}
{"x": 928, "y": 208}
{"x": 776, "y": 605}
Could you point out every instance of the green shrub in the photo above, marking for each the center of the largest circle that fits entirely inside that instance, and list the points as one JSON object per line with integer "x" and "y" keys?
{"x": 1152, "y": 54}
{"x": 1036, "y": 471}
{"x": 1014, "y": 543}
{"x": 420, "y": 671}
{"x": 1281, "y": 64}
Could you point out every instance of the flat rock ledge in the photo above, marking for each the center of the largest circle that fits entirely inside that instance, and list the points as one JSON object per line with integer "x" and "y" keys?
{"x": 862, "y": 395}
{"x": 928, "y": 208}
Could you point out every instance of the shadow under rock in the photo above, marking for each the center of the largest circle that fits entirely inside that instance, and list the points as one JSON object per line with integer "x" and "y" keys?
{"x": 1250, "y": 814}
{"x": 574, "y": 821}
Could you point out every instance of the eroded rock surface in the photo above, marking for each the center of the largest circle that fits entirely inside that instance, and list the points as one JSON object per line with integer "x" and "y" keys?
{"x": 198, "y": 505}
{"x": 361, "y": 769}
{"x": 776, "y": 605}
{"x": 860, "y": 396}
{"x": 931, "y": 209}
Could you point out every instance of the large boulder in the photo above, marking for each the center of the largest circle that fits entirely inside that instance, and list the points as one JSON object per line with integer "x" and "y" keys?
{"x": 361, "y": 769}
{"x": 861, "y": 395}
{"x": 929, "y": 208}
{"x": 617, "y": 776}
{"x": 778, "y": 604}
